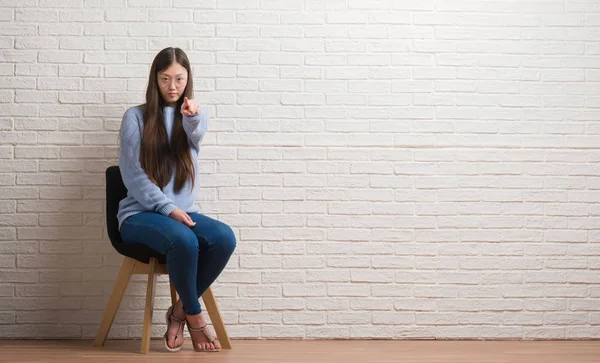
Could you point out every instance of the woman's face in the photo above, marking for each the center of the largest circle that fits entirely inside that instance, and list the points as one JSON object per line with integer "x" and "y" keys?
{"x": 172, "y": 82}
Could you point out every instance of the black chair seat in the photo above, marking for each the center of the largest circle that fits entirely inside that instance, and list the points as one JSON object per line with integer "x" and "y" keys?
{"x": 115, "y": 192}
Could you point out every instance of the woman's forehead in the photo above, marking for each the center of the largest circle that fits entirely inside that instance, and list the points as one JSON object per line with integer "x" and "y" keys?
{"x": 173, "y": 70}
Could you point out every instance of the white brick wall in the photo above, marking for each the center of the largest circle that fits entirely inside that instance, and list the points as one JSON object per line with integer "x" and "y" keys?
{"x": 392, "y": 169}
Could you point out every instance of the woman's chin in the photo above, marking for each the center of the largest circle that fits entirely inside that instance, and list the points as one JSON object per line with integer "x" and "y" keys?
{"x": 171, "y": 100}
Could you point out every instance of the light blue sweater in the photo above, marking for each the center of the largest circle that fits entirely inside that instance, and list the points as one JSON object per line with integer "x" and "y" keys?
{"x": 142, "y": 194}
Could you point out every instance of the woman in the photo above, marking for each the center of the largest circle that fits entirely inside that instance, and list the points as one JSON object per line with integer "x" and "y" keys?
{"x": 158, "y": 158}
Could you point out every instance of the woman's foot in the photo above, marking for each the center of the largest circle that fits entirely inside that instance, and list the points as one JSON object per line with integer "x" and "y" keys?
{"x": 202, "y": 339}
{"x": 176, "y": 318}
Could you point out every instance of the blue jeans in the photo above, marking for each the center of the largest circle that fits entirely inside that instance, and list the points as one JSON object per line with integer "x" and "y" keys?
{"x": 195, "y": 255}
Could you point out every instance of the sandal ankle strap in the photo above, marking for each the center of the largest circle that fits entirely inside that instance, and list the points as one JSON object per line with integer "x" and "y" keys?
{"x": 176, "y": 319}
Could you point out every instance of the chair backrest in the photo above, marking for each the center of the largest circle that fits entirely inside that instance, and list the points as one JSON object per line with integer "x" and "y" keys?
{"x": 115, "y": 192}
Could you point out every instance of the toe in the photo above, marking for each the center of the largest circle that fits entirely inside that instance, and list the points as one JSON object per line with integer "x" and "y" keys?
{"x": 172, "y": 342}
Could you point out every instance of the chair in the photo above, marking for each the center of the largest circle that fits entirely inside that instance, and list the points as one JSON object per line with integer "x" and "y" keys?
{"x": 140, "y": 259}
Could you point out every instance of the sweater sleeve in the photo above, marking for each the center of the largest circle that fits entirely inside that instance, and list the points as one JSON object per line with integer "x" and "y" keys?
{"x": 195, "y": 126}
{"x": 138, "y": 184}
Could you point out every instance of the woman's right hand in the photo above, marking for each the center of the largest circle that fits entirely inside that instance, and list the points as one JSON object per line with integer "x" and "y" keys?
{"x": 181, "y": 216}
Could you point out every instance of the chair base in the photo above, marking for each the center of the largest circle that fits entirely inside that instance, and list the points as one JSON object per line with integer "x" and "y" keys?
{"x": 152, "y": 269}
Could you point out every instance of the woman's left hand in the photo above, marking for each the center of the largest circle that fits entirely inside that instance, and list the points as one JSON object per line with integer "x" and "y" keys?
{"x": 189, "y": 107}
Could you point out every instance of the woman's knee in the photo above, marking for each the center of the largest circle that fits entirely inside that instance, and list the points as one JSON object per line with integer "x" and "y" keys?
{"x": 226, "y": 238}
{"x": 185, "y": 241}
